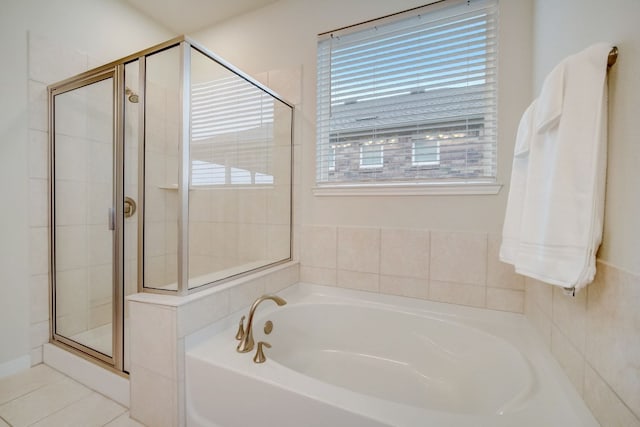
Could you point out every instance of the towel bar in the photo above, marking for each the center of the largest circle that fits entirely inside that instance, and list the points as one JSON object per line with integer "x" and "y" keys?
{"x": 613, "y": 57}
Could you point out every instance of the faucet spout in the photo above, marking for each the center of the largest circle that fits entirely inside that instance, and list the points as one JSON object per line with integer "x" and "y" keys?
{"x": 247, "y": 343}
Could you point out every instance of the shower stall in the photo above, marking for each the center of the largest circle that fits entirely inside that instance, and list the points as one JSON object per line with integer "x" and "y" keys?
{"x": 170, "y": 172}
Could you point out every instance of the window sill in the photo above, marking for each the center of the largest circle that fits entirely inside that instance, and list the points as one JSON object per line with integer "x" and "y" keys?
{"x": 404, "y": 189}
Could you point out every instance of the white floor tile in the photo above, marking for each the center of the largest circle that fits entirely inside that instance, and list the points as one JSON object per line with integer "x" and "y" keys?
{"x": 94, "y": 410}
{"x": 3, "y": 424}
{"x": 42, "y": 402}
{"x": 25, "y": 382}
{"x": 124, "y": 421}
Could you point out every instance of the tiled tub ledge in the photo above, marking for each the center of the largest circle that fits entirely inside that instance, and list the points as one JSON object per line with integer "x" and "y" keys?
{"x": 159, "y": 325}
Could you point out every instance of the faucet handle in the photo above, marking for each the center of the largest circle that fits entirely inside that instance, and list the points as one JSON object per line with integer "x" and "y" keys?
{"x": 268, "y": 327}
{"x": 260, "y": 357}
{"x": 240, "y": 333}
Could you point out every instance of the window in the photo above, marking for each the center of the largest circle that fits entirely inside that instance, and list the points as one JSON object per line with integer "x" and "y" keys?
{"x": 332, "y": 158}
{"x": 410, "y": 98}
{"x": 425, "y": 152}
{"x": 371, "y": 156}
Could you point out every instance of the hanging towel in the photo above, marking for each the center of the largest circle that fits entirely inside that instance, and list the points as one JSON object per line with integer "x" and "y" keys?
{"x": 518, "y": 185}
{"x": 554, "y": 217}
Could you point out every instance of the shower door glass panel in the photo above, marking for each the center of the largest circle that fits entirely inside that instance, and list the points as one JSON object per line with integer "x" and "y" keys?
{"x": 162, "y": 112}
{"x": 83, "y": 199}
{"x": 240, "y": 175}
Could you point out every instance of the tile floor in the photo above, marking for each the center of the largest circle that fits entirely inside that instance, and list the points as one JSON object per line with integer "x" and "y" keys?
{"x": 43, "y": 397}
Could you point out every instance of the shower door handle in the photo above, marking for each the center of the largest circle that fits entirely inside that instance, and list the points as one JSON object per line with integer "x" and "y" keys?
{"x": 129, "y": 207}
{"x": 112, "y": 218}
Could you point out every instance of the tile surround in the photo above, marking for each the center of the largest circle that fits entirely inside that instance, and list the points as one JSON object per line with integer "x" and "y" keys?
{"x": 321, "y": 249}
{"x": 457, "y": 293}
{"x": 449, "y": 248}
{"x": 571, "y": 360}
{"x": 416, "y": 263}
{"x": 405, "y": 253}
{"x": 404, "y": 286}
{"x": 359, "y": 249}
{"x": 319, "y": 275}
{"x": 500, "y": 274}
{"x": 358, "y": 280}
{"x": 592, "y": 335}
{"x": 594, "y": 338}
{"x": 158, "y": 326}
{"x": 607, "y": 407}
{"x": 153, "y": 398}
{"x": 505, "y": 300}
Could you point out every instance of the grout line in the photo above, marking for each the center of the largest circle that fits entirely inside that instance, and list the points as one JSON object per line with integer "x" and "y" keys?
{"x": 69, "y": 404}
{"x": 117, "y": 416}
{"x": 7, "y": 422}
{"x": 379, "y": 272}
{"x": 610, "y": 389}
{"x": 615, "y": 266}
{"x": 37, "y": 388}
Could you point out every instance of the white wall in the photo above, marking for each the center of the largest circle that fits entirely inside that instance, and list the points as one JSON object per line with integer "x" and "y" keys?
{"x": 105, "y": 30}
{"x": 284, "y": 35}
{"x": 566, "y": 27}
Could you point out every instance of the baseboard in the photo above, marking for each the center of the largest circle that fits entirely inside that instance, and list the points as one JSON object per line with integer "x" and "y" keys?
{"x": 103, "y": 381}
{"x": 14, "y": 366}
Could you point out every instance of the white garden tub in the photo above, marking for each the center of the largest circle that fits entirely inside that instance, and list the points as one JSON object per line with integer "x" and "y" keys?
{"x": 348, "y": 358}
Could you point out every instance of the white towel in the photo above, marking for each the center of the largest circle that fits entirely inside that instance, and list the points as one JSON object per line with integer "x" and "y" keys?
{"x": 518, "y": 186}
{"x": 553, "y": 223}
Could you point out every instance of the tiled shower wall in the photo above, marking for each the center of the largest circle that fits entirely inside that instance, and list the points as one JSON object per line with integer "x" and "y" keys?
{"x": 83, "y": 185}
{"x": 416, "y": 263}
{"x": 161, "y": 176}
{"x": 247, "y": 224}
{"x": 594, "y": 337}
{"x": 48, "y": 63}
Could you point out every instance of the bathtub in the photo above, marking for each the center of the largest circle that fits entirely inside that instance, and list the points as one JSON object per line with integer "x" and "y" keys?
{"x": 349, "y": 358}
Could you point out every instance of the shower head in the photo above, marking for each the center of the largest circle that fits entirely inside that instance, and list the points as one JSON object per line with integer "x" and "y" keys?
{"x": 131, "y": 96}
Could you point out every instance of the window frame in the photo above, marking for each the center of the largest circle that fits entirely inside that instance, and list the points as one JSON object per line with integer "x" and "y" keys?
{"x": 485, "y": 184}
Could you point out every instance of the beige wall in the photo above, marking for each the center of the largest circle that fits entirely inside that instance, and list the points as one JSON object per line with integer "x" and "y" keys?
{"x": 284, "y": 34}
{"x": 595, "y": 336}
{"x": 566, "y": 27}
{"x": 104, "y": 30}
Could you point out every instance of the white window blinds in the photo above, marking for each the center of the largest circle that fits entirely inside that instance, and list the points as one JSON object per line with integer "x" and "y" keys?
{"x": 420, "y": 85}
{"x": 231, "y": 133}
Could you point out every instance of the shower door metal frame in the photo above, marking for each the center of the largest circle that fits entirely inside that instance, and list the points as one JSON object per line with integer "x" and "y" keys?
{"x": 116, "y": 360}
{"x": 116, "y": 70}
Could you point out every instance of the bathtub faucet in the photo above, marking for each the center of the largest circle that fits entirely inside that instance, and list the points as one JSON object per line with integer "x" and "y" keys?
{"x": 246, "y": 336}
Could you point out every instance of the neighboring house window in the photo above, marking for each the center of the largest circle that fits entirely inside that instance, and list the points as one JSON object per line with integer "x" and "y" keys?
{"x": 332, "y": 159}
{"x": 371, "y": 156}
{"x": 425, "y": 152}
{"x": 412, "y": 95}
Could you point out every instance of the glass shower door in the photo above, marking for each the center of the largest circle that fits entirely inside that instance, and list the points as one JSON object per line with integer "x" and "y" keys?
{"x": 83, "y": 216}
